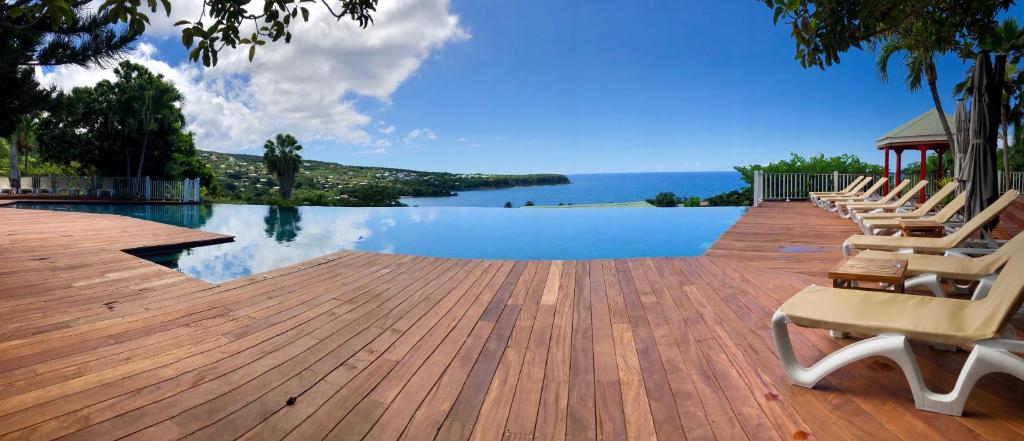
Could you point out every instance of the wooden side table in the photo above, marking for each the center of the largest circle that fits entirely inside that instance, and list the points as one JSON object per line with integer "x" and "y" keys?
{"x": 921, "y": 228}
{"x": 860, "y": 269}
{"x": 888, "y": 271}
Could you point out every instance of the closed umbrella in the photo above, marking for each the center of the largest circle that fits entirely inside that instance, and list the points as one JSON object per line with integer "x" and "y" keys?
{"x": 962, "y": 140}
{"x": 980, "y": 162}
{"x": 14, "y": 174}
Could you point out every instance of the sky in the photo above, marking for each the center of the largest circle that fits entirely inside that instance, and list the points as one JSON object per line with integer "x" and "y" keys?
{"x": 536, "y": 86}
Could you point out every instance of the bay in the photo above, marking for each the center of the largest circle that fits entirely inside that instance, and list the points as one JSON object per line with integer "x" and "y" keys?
{"x": 597, "y": 188}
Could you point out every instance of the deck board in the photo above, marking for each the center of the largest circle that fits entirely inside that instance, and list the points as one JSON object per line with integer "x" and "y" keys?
{"x": 98, "y": 344}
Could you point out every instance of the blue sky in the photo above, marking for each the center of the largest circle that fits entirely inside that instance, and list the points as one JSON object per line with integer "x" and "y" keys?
{"x": 571, "y": 86}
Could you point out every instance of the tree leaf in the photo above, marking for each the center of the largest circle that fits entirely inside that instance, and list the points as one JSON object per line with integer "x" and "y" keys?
{"x": 182, "y": 22}
{"x": 252, "y": 52}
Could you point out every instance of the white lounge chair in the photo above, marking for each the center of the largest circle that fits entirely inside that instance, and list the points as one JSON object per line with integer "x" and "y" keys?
{"x": 830, "y": 203}
{"x": 934, "y": 245}
{"x": 889, "y": 202}
{"x": 27, "y": 185}
{"x": 819, "y": 200}
{"x": 909, "y": 212}
{"x": 930, "y": 270}
{"x": 814, "y": 195}
{"x": 5, "y": 185}
{"x": 106, "y": 186}
{"x": 45, "y": 185}
{"x": 894, "y": 320}
{"x": 946, "y": 214}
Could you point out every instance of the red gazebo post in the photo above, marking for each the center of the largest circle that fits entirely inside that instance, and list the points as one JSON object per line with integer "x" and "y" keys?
{"x": 899, "y": 165}
{"x": 924, "y": 167}
{"x": 886, "y": 186}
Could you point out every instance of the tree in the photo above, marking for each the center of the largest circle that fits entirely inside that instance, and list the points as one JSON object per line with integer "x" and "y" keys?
{"x": 824, "y": 29}
{"x": 219, "y": 25}
{"x": 665, "y": 199}
{"x": 508, "y": 204}
{"x": 1008, "y": 39}
{"x": 282, "y": 158}
{"x": 529, "y": 204}
{"x": 24, "y": 140}
{"x": 148, "y": 103}
{"x": 919, "y": 47}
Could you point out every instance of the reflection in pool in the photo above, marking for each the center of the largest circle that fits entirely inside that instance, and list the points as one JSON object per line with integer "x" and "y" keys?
{"x": 271, "y": 237}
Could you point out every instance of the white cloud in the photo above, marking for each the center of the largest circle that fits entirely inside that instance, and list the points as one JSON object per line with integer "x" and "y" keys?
{"x": 387, "y": 130}
{"x": 416, "y": 135}
{"x": 310, "y": 87}
{"x": 461, "y": 140}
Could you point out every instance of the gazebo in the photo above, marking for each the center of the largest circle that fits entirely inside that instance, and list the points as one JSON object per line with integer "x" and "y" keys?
{"x": 922, "y": 133}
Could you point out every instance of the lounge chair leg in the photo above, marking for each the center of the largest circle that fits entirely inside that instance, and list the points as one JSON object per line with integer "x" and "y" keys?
{"x": 930, "y": 281}
{"x": 984, "y": 285}
{"x": 987, "y": 357}
{"x": 847, "y": 249}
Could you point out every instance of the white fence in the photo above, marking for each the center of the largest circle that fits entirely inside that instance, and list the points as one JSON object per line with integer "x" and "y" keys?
{"x": 789, "y": 186}
{"x": 145, "y": 189}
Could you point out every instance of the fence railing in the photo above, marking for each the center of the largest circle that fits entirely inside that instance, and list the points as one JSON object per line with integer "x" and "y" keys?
{"x": 145, "y": 189}
{"x": 790, "y": 186}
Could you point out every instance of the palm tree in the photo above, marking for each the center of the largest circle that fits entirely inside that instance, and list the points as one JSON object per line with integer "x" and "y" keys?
{"x": 149, "y": 103}
{"x": 24, "y": 140}
{"x": 282, "y": 158}
{"x": 919, "y": 60}
{"x": 1007, "y": 38}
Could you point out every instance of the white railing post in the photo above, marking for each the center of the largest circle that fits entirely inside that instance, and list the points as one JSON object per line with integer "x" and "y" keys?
{"x": 835, "y": 181}
{"x": 148, "y": 189}
{"x": 758, "y": 187}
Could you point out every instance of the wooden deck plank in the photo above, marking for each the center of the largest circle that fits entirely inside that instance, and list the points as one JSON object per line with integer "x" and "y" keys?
{"x": 98, "y": 344}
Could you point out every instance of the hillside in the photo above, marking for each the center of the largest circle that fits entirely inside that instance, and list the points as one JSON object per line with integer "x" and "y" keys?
{"x": 243, "y": 178}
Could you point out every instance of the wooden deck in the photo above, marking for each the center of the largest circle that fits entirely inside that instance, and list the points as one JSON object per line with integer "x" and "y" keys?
{"x": 98, "y": 344}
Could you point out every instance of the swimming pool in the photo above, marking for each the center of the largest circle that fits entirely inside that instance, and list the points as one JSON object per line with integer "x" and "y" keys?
{"x": 269, "y": 237}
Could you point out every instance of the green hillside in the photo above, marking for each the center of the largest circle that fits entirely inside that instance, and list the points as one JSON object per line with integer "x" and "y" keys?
{"x": 243, "y": 178}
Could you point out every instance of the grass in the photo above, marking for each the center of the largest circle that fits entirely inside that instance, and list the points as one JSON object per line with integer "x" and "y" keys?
{"x": 638, "y": 204}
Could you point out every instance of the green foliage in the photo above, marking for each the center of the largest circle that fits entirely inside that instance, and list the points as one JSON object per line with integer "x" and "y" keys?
{"x": 824, "y": 29}
{"x": 219, "y": 26}
{"x": 508, "y": 204}
{"x": 743, "y": 197}
{"x": 529, "y": 204}
{"x": 282, "y": 158}
{"x": 244, "y": 178}
{"x": 942, "y": 183}
{"x": 692, "y": 201}
{"x": 666, "y": 199}
{"x": 844, "y": 163}
{"x": 108, "y": 128}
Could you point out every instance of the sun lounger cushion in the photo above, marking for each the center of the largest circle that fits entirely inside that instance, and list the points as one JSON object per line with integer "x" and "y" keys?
{"x": 957, "y": 268}
{"x": 929, "y": 244}
{"x": 932, "y": 319}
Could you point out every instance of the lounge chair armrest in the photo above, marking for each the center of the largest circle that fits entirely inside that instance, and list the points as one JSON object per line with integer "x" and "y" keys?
{"x": 955, "y": 252}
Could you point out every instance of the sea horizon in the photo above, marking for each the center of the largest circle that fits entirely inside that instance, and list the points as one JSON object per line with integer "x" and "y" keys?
{"x": 594, "y": 188}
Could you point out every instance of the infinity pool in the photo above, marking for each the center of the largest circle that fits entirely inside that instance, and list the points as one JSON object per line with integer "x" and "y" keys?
{"x": 269, "y": 237}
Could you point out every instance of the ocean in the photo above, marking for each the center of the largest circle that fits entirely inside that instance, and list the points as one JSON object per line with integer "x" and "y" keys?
{"x": 598, "y": 188}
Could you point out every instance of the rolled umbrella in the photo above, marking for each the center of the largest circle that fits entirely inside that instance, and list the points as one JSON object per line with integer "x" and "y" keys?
{"x": 14, "y": 175}
{"x": 980, "y": 161}
{"x": 961, "y": 140}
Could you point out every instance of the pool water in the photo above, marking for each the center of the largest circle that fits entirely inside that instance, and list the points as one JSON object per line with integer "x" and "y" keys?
{"x": 268, "y": 237}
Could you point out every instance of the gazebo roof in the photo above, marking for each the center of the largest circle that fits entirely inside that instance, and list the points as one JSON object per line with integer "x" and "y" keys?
{"x": 925, "y": 129}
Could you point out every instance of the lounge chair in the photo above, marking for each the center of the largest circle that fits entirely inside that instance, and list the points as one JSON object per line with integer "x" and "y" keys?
{"x": 911, "y": 212}
{"x": 27, "y": 185}
{"x": 830, "y": 202}
{"x": 876, "y": 226}
{"x": 929, "y": 270}
{"x": 5, "y": 185}
{"x": 814, "y": 195}
{"x": 45, "y": 185}
{"x": 934, "y": 245}
{"x": 888, "y": 202}
{"x": 857, "y": 189}
{"x": 894, "y": 320}
{"x": 106, "y": 186}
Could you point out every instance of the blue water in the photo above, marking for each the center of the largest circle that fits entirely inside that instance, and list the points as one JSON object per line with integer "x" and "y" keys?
{"x": 595, "y": 189}
{"x": 271, "y": 237}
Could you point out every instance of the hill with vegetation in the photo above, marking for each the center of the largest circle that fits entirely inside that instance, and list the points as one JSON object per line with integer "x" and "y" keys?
{"x": 244, "y": 178}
